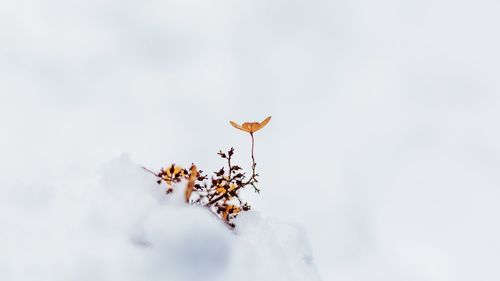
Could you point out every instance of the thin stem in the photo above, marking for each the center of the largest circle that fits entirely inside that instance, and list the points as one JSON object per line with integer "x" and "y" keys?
{"x": 230, "y": 167}
{"x": 252, "y": 178}
{"x": 253, "y": 144}
{"x": 148, "y": 170}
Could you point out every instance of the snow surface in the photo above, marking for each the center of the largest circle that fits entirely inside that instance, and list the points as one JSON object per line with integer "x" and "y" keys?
{"x": 123, "y": 227}
{"x": 390, "y": 107}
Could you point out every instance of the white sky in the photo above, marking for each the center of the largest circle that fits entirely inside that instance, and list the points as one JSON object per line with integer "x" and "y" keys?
{"x": 384, "y": 142}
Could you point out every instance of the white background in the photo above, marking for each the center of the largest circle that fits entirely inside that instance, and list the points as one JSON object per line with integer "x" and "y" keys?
{"x": 384, "y": 142}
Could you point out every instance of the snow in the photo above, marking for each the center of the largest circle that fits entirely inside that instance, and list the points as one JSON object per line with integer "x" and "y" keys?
{"x": 121, "y": 226}
{"x": 384, "y": 144}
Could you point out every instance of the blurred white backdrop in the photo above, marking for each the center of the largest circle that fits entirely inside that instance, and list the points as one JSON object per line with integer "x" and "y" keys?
{"x": 384, "y": 142}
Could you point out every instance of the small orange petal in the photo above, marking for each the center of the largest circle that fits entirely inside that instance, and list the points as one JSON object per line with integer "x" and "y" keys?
{"x": 220, "y": 190}
{"x": 261, "y": 125}
{"x": 237, "y": 126}
{"x": 264, "y": 123}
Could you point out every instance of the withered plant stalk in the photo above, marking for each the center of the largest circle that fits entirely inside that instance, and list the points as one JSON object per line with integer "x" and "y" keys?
{"x": 221, "y": 194}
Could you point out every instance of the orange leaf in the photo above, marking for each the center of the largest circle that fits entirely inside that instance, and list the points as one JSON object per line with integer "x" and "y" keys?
{"x": 251, "y": 127}
{"x": 220, "y": 190}
{"x": 190, "y": 185}
{"x": 237, "y": 126}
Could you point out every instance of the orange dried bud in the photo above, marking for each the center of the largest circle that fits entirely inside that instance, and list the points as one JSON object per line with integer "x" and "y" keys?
{"x": 232, "y": 187}
{"x": 251, "y": 127}
{"x": 172, "y": 172}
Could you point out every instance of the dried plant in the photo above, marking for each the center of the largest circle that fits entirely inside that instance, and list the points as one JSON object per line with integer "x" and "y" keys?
{"x": 220, "y": 194}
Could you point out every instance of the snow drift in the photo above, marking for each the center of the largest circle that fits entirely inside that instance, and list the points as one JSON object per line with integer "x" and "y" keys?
{"x": 120, "y": 226}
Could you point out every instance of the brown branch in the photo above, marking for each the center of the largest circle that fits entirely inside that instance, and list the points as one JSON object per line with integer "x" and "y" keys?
{"x": 254, "y": 165}
{"x": 251, "y": 181}
{"x": 150, "y": 171}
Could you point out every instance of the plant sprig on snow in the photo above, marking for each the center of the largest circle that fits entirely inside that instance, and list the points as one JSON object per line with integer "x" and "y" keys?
{"x": 220, "y": 194}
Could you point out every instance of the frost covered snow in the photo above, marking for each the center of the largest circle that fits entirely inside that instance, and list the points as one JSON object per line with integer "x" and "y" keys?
{"x": 122, "y": 226}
